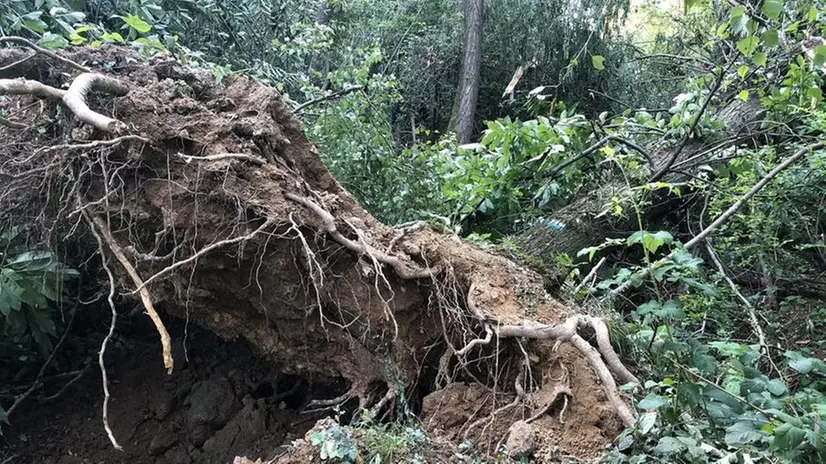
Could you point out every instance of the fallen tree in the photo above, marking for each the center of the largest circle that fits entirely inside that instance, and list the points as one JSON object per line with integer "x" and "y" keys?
{"x": 206, "y": 202}
{"x": 670, "y": 160}
{"x": 584, "y": 219}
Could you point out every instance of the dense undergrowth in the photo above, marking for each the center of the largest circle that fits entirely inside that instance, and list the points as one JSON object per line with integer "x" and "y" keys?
{"x": 728, "y": 330}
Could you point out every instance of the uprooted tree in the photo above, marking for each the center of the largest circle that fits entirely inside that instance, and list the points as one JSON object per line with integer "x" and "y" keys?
{"x": 206, "y": 202}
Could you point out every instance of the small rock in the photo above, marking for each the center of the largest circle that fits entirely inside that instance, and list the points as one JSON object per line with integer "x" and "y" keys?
{"x": 245, "y": 460}
{"x": 521, "y": 440}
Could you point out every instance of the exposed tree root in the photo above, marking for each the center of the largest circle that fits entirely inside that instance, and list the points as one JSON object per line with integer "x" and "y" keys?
{"x": 402, "y": 269}
{"x": 560, "y": 390}
{"x": 604, "y": 361}
{"x": 177, "y": 203}
{"x": 146, "y": 299}
{"x": 74, "y": 98}
{"x": 111, "y": 300}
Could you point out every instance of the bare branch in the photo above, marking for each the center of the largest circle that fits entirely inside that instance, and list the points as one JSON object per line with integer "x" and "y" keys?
{"x": 331, "y": 96}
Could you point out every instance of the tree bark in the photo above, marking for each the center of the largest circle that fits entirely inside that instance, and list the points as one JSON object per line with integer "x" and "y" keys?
{"x": 467, "y": 93}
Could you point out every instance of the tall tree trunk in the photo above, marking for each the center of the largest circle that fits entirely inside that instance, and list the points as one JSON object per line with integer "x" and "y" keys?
{"x": 467, "y": 93}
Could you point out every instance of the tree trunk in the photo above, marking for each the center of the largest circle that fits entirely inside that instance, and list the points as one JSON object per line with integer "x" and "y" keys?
{"x": 467, "y": 92}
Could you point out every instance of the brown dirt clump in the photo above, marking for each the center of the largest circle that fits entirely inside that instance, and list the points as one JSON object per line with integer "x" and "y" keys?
{"x": 232, "y": 222}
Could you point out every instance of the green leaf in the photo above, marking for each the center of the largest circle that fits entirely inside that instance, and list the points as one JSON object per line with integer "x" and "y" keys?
{"x": 647, "y": 422}
{"x": 748, "y": 45}
{"x": 770, "y": 38}
{"x": 729, "y": 348}
{"x": 788, "y": 436}
{"x": 668, "y": 446}
{"x": 738, "y": 19}
{"x": 803, "y": 364}
{"x": 820, "y": 55}
{"x": 597, "y": 61}
{"x": 742, "y": 433}
{"x": 111, "y": 37}
{"x": 51, "y": 41}
{"x": 772, "y": 8}
{"x": 647, "y": 308}
{"x": 33, "y": 22}
{"x": 742, "y": 71}
{"x": 670, "y": 310}
{"x": 743, "y": 95}
{"x": 815, "y": 94}
{"x": 32, "y": 260}
{"x": 759, "y": 59}
{"x": 137, "y": 23}
{"x": 652, "y": 401}
{"x": 776, "y": 387}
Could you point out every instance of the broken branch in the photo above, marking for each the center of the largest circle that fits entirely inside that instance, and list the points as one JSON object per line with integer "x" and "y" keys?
{"x": 722, "y": 218}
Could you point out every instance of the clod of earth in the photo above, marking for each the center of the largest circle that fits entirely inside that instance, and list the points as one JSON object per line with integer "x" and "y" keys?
{"x": 206, "y": 202}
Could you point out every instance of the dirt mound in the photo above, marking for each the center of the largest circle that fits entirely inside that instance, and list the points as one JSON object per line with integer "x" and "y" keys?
{"x": 208, "y": 203}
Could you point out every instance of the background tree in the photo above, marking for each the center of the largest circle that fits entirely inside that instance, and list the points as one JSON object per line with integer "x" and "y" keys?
{"x": 464, "y": 110}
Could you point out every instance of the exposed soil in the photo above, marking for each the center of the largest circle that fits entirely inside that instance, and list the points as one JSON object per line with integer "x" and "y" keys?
{"x": 227, "y": 213}
{"x": 225, "y": 402}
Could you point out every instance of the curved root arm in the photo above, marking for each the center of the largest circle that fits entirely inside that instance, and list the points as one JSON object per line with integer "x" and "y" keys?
{"x": 402, "y": 269}
{"x": 605, "y": 362}
{"x": 608, "y": 384}
{"x": 74, "y": 98}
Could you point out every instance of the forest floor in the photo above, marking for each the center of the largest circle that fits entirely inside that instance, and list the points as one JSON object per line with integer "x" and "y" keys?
{"x": 227, "y": 402}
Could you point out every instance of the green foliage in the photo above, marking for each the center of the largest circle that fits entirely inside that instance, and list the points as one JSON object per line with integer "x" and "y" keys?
{"x": 370, "y": 442}
{"x": 335, "y": 444}
{"x": 31, "y": 284}
{"x": 515, "y": 170}
{"x": 356, "y": 142}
